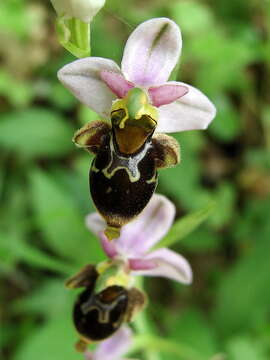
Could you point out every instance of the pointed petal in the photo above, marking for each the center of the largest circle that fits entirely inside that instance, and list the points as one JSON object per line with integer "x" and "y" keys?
{"x": 193, "y": 111}
{"x": 166, "y": 94}
{"x": 97, "y": 224}
{"x": 148, "y": 228}
{"x": 169, "y": 264}
{"x": 116, "y": 83}
{"x": 116, "y": 346}
{"x": 108, "y": 246}
{"x": 82, "y": 78}
{"x": 152, "y": 52}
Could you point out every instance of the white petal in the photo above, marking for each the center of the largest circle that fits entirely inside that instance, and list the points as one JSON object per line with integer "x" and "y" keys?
{"x": 169, "y": 264}
{"x": 116, "y": 346}
{"x": 84, "y": 10}
{"x": 82, "y": 78}
{"x": 95, "y": 223}
{"x": 62, "y": 7}
{"x": 152, "y": 52}
{"x": 148, "y": 228}
{"x": 192, "y": 111}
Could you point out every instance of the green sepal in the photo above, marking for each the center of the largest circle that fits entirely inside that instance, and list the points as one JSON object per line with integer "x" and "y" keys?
{"x": 74, "y": 35}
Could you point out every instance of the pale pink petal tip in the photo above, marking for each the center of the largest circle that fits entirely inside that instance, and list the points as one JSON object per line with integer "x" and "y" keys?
{"x": 169, "y": 264}
{"x": 152, "y": 52}
{"x": 116, "y": 346}
{"x": 88, "y": 355}
{"x": 140, "y": 235}
{"x": 95, "y": 223}
{"x": 108, "y": 246}
{"x": 194, "y": 111}
{"x": 116, "y": 83}
{"x": 82, "y": 78}
{"x": 166, "y": 94}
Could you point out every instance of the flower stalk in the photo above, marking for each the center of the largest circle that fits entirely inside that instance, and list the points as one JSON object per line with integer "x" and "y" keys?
{"x": 74, "y": 35}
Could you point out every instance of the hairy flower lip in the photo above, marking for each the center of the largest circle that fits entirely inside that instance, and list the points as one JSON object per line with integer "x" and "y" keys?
{"x": 150, "y": 55}
{"x": 137, "y": 239}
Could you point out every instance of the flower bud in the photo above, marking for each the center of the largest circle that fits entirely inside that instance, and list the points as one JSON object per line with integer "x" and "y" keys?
{"x": 83, "y": 10}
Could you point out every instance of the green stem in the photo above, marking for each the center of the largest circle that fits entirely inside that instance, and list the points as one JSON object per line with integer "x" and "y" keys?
{"x": 151, "y": 345}
{"x": 144, "y": 328}
{"x": 74, "y": 35}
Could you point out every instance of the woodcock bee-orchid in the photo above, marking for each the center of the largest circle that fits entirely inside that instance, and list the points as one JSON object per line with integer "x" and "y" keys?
{"x": 106, "y": 303}
{"x": 128, "y": 153}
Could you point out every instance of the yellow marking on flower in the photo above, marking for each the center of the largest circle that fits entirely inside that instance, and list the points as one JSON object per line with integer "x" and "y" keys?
{"x": 103, "y": 266}
{"x": 112, "y": 232}
{"x": 136, "y": 104}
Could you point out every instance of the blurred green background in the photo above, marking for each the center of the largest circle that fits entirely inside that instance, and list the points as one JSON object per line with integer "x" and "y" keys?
{"x": 44, "y": 180}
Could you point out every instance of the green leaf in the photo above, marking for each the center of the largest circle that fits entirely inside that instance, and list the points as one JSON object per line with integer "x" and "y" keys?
{"x": 226, "y": 125}
{"x": 201, "y": 240}
{"x": 246, "y": 348}
{"x": 192, "y": 17}
{"x": 50, "y": 299}
{"x": 225, "y": 197}
{"x": 61, "y": 97}
{"x": 86, "y": 115}
{"x": 14, "y": 249}
{"x": 54, "y": 340}
{"x": 63, "y": 225}
{"x": 36, "y": 132}
{"x": 243, "y": 296}
{"x": 194, "y": 330}
{"x": 185, "y": 226}
{"x": 17, "y": 92}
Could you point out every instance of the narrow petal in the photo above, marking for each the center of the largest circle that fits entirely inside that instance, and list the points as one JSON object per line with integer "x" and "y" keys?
{"x": 193, "y": 111}
{"x": 169, "y": 264}
{"x": 82, "y": 78}
{"x": 97, "y": 224}
{"x": 116, "y": 83}
{"x": 148, "y": 228}
{"x": 108, "y": 246}
{"x": 88, "y": 355}
{"x": 166, "y": 94}
{"x": 116, "y": 346}
{"x": 152, "y": 52}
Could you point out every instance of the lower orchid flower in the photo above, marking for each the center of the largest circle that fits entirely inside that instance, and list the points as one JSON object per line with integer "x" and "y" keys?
{"x": 137, "y": 238}
{"x": 114, "y": 348}
{"x": 109, "y": 297}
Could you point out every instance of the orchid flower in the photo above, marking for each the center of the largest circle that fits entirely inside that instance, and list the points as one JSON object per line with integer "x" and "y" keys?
{"x": 150, "y": 55}
{"x": 114, "y": 348}
{"x": 133, "y": 247}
